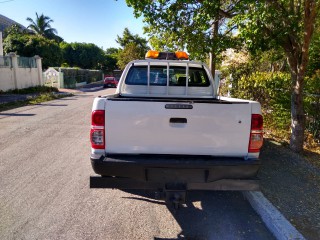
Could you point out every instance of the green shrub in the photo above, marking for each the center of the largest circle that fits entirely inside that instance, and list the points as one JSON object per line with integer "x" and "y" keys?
{"x": 267, "y": 88}
{"x": 273, "y": 91}
{"x": 77, "y": 75}
{"x": 312, "y": 104}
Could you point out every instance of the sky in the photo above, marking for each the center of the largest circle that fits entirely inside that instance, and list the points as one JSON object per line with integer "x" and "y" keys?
{"x": 89, "y": 21}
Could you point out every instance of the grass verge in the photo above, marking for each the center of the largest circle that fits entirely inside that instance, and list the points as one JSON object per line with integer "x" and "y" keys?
{"x": 31, "y": 90}
{"x": 42, "y": 97}
{"x": 311, "y": 152}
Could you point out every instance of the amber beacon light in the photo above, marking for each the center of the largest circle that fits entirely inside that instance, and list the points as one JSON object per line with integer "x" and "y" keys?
{"x": 178, "y": 55}
{"x": 152, "y": 54}
{"x": 182, "y": 55}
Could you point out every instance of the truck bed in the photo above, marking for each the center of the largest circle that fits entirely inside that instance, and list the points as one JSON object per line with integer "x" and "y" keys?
{"x": 191, "y": 126}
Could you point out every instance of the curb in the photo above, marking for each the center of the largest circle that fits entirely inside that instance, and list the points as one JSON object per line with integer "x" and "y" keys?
{"x": 274, "y": 220}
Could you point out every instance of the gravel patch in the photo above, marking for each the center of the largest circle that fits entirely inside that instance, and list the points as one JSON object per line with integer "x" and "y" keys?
{"x": 292, "y": 185}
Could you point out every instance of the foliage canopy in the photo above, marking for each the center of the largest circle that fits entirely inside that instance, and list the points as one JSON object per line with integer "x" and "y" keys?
{"x": 83, "y": 55}
{"x": 133, "y": 47}
{"x": 30, "y": 45}
{"x": 42, "y": 26}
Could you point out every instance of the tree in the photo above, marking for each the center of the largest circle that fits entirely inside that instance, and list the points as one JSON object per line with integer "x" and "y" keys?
{"x": 196, "y": 25}
{"x": 314, "y": 51}
{"x": 112, "y": 51}
{"x": 289, "y": 25}
{"x": 83, "y": 55}
{"x": 130, "y": 52}
{"x": 128, "y": 37}
{"x": 133, "y": 47}
{"x": 27, "y": 45}
{"x": 42, "y": 26}
{"x": 109, "y": 64}
{"x": 111, "y": 59}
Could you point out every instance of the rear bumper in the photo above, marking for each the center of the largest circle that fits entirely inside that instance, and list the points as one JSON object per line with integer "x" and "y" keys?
{"x": 108, "y": 84}
{"x": 175, "y": 172}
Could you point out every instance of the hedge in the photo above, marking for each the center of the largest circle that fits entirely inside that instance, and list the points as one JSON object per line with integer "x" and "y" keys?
{"x": 72, "y": 76}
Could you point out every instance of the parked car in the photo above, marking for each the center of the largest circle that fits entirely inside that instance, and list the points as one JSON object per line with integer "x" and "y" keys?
{"x": 110, "y": 82}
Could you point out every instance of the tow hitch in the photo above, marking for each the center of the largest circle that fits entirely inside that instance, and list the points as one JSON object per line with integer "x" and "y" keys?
{"x": 175, "y": 194}
{"x": 175, "y": 198}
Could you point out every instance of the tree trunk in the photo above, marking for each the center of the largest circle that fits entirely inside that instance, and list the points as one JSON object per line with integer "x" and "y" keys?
{"x": 297, "y": 110}
{"x": 297, "y": 114}
{"x": 299, "y": 63}
{"x": 212, "y": 64}
{"x": 213, "y": 55}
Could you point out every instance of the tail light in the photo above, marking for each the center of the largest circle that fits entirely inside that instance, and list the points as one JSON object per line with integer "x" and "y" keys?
{"x": 97, "y": 137}
{"x": 256, "y": 133}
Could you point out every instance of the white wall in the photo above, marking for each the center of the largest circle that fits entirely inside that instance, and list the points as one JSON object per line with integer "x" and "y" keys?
{"x": 15, "y": 77}
{"x": 6, "y": 79}
{"x": 27, "y": 77}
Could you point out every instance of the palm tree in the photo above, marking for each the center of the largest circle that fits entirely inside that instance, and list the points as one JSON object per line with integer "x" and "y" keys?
{"x": 41, "y": 26}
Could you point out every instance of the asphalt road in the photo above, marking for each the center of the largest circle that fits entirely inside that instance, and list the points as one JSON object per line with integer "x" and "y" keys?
{"x": 45, "y": 194}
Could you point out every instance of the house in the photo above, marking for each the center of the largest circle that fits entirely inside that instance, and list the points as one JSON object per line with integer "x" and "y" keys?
{"x": 7, "y": 22}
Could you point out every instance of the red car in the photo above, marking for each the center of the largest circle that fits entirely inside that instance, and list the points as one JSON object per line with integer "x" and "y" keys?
{"x": 110, "y": 82}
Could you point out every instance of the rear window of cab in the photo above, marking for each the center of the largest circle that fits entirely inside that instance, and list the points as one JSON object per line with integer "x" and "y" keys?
{"x": 138, "y": 75}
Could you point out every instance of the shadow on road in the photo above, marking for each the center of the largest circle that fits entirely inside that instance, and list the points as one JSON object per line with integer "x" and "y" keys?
{"x": 17, "y": 114}
{"x": 51, "y": 105}
{"x": 95, "y": 88}
{"x": 213, "y": 215}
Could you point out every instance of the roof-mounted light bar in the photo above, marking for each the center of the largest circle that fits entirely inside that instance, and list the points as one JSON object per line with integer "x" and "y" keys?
{"x": 152, "y": 54}
{"x": 180, "y": 55}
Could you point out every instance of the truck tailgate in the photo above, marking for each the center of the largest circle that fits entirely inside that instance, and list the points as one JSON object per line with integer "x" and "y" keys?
{"x": 183, "y": 128}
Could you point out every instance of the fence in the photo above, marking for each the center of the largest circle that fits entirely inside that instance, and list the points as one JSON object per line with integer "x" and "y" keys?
{"x": 74, "y": 77}
{"x": 70, "y": 77}
{"x": 53, "y": 78}
{"x": 25, "y": 62}
{"x": 19, "y": 72}
{"x": 5, "y": 62}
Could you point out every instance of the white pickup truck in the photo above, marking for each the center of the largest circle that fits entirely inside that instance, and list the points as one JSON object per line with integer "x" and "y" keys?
{"x": 167, "y": 129}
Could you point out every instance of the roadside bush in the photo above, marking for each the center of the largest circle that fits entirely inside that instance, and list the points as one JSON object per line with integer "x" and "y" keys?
{"x": 266, "y": 87}
{"x": 273, "y": 91}
{"x": 312, "y": 104}
{"x": 77, "y": 75}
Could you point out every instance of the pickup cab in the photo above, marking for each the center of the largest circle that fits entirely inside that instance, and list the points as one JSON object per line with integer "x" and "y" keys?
{"x": 166, "y": 129}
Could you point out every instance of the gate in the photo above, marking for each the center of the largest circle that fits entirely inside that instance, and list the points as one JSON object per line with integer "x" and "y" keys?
{"x": 53, "y": 78}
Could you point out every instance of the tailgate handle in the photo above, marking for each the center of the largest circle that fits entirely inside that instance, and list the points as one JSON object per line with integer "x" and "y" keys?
{"x": 178, "y": 120}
